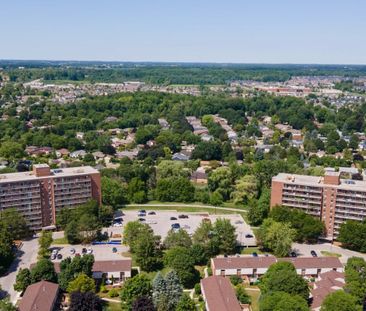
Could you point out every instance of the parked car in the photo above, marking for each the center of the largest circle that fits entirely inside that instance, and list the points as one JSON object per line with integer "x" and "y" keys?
{"x": 53, "y": 256}
{"x": 72, "y": 251}
{"x": 84, "y": 250}
{"x": 141, "y": 214}
{"x": 142, "y": 219}
{"x": 55, "y": 251}
{"x": 183, "y": 216}
{"x": 293, "y": 254}
{"x": 313, "y": 253}
{"x": 89, "y": 251}
{"x": 59, "y": 256}
{"x": 114, "y": 249}
{"x": 142, "y": 211}
{"x": 173, "y": 218}
{"x": 151, "y": 213}
{"x": 254, "y": 254}
{"x": 77, "y": 255}
{"x": 176, "y": 226}
{"x": 249, "y": 236}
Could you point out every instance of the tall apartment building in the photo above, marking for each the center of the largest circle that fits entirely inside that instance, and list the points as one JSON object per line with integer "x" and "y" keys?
{"x": 40, "y": 194}
{"x": 332, "y": 199}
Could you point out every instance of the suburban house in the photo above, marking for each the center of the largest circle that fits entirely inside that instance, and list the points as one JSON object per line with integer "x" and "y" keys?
{"x": 118, "y": 270}
{"x": 180, "y": 157}
{"x": 314, "y": 266}
{"x": 244, "y": 266}
{"x": 41, "y": 296}
{"x": 199, "y": 176}
{"x": 251, "y": 268}
{"x": 219, "y": 294}
{"x": 327, "y": 283}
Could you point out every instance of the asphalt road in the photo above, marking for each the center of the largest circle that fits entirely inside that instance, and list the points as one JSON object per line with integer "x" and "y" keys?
{"x": 25, "y": 256}
{"x": 305, "y": 249}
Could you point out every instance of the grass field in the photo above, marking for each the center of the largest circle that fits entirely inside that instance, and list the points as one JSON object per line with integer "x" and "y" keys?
{"x": 254, "y": 295}
{"x": 330, "y": 254}
{"x": 112, "y": 306}
{"x": 60, "y": 241}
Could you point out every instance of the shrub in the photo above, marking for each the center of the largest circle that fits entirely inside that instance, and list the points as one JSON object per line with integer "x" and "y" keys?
{"x": 113, "y": 293}
{"x": 197, "y": 289}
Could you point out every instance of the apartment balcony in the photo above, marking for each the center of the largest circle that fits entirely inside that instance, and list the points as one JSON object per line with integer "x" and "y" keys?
{"x": 303, "y": 189}
{"x": 302, "y": 194}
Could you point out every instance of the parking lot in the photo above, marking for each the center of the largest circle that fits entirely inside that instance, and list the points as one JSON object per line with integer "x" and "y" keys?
{"x": 161, "y": 222}
{"x": 100, "y": 252}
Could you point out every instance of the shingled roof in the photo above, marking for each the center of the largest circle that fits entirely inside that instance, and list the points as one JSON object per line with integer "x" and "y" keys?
{"x": 39, "y": 296}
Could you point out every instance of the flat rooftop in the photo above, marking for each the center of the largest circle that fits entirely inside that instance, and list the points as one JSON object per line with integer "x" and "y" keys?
{"x": 318, "y": 181}
{"x": 55, "y": 173}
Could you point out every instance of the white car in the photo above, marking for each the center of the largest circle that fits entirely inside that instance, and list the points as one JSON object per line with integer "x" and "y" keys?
{"x": 89, "y": 251}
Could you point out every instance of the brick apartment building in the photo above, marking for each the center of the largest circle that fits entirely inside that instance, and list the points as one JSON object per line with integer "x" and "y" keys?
{"x": 39, "y": 194}
{"x": 332, "y": 199}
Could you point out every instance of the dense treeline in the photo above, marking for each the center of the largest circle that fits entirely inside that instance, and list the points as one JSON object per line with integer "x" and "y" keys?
{"x": 61, "y": 122}
{"x": 170, "y": 73}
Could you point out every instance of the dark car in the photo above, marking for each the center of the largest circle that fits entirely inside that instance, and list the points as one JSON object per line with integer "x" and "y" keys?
{"x": 151, "y": 213}
{"x": 254, "y": 254}
{"x": 173, "y": 218}
{"x": 176, "y": 226}
{"x": 293, "y": 254}
{"x": 314, "y": 254}
{"x": 142, "y": 211}
{"x": 114, "y": 249}
{"x": 59, "y": 256}
{"x": 183, "y": 216}
{"x": 77, "y": 255}
{"x": 141, "y": 219}
{"x": 84, "y": 250}
{"x": 248, "y": 236}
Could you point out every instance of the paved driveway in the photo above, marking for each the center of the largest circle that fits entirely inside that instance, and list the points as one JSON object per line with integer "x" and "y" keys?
{"x": 26, "y": 255}
{"x": 304, "y": 250}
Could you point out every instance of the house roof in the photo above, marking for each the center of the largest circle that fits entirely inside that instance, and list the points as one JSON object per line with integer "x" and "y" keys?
{"x": 39, "y": 297}
{"x": 314, "y": 262}
{"x": 219, "y": 294}
{"x": 243, "y": 262}
{"x": 328, "y": 282}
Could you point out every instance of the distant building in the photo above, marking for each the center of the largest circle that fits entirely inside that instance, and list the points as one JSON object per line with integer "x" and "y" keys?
{"x": 180, "y": 157}
{"x": 330, "y": 198}
{"x": 39, "y": 194}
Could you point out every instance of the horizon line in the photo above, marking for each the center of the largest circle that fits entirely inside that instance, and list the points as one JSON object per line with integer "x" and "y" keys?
{"x": 179, "y": 62}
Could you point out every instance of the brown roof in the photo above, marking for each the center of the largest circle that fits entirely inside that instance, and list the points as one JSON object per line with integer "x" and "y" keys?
{"x": 40, "y": 296}
{"x": 112, "y": 265}
{"x": 103, "y": 265}
{"x": 219, "y": 294}
{"x": 243, "y": 262}
{"x": 314, "y": 262}
{"x": 328, "y": 282}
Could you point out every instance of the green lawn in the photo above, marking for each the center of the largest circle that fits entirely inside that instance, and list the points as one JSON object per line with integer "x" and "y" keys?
{"x": 254, "y": 295}
{"x": 60, "y": 241}
{"x": 112, "y": 306}
{"x": 250, "y": 250}
{"x": 330, "y": 254}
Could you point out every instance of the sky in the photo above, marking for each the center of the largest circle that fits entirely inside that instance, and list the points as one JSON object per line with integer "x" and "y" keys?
{"x": 229, "y": 31}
